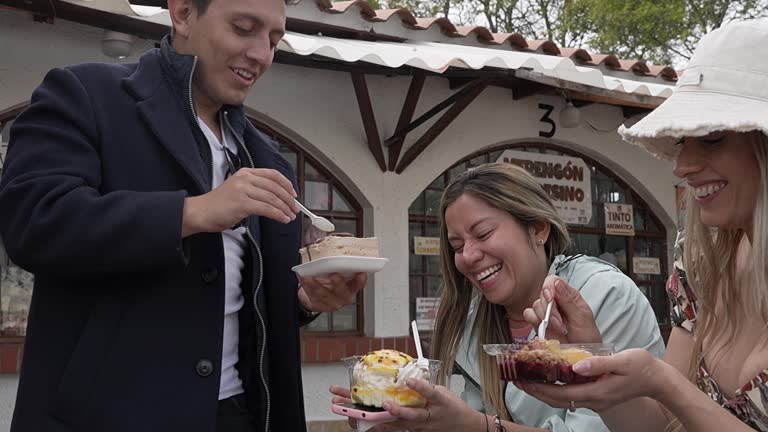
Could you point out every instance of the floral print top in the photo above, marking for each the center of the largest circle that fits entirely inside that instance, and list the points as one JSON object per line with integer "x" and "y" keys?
{"x": 750, "y": 402}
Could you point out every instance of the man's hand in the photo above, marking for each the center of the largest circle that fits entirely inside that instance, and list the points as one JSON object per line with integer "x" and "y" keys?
{"x": 250, "y": 191}
{"x": 331, "y": 292}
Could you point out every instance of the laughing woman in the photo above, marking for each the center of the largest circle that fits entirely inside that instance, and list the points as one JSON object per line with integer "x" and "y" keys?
{"x": 500, "y": 241}
{"x": 715, "y": 128}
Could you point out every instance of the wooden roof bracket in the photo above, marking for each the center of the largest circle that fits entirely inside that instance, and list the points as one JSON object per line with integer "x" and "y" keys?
{"x": 369, "y": 120}
{"x": 458, "y": 101}
{"x": 395, "y": 143}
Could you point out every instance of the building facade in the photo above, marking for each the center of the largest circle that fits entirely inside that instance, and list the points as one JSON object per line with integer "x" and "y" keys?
{"x": 325, "y": 124}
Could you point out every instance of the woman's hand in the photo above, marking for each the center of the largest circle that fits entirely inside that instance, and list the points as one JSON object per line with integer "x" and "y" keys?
{"x": 571, "y": 319}
{"x": 342, "y": 395}
{"x": 627, "y": 375}
{"x": 444, "y": 412}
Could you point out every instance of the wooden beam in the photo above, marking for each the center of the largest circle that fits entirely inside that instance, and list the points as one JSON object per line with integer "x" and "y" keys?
{"x": 406, "y": 114}
{"x": 12, "y": 111}
{"x": 401, "y": 133}
{"x": 591, "y": 93}
{"x": 523, "y": 89}
{"x": 91, "y": 17}
{"x": 369, "y": 120}
{"x": 419, "y": 146}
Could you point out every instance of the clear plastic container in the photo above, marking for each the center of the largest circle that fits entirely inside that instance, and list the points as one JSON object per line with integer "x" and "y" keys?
{"x": 544, "y": 361}
{"x": 373, "y": 388}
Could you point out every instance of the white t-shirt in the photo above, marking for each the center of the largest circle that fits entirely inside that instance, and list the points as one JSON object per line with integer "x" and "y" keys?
{"x": 234, "y": 245}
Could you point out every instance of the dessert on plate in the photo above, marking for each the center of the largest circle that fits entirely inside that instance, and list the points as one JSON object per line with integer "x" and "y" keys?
{"x": 340, "y": 244}
{"x": 380, "y": 376}
{"x": 544, "y": 360}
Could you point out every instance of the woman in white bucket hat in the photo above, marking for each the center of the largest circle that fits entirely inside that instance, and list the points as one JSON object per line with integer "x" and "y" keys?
{"x": 714, "y": 376}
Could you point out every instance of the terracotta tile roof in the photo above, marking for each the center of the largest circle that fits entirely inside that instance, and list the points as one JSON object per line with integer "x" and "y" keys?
{"x": 482, "y": 36}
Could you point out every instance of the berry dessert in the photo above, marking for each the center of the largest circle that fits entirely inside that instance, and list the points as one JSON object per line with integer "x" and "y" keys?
{"x": 544, "y": 360}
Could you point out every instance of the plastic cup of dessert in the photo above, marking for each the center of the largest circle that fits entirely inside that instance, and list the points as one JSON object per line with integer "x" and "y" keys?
{"x": 372, "y": 387}
{"x": 545, "y": 361}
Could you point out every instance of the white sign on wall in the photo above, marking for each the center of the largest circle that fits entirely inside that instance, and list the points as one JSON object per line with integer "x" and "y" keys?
{"x": 646, "y": 265}
{"x": 426, "y": 245}
{"x": 619, "y": 219}
{"x": 426, "y": 312}
{"x": 566, "y": 179}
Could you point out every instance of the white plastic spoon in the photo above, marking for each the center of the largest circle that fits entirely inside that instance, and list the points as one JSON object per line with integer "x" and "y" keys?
{"x": 319, "y": 222}
{"x": 545, "y": 322}
{"x": 421, "y": 361}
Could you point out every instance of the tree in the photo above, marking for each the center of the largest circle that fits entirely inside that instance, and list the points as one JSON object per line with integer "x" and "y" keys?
{"x": 660, "y": 32}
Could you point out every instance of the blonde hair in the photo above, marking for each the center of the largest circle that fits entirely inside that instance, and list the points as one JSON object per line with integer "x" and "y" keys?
{"x": 509, "y": 188}
{"x": 710, "y": 259}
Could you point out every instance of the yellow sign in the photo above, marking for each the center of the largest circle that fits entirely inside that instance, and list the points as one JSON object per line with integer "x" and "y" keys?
{"x": 619, "y": 219}
{"x": 426, "y": 245}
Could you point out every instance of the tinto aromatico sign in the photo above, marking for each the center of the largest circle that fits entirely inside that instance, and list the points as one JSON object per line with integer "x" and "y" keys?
{"x": 566, "y": 179}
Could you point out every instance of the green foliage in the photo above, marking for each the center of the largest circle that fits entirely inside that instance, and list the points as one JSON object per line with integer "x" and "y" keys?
{"x": 662, "y": 32}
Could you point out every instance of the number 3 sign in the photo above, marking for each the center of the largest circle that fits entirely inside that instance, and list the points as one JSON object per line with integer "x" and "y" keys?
{"x": 548, "y": 120}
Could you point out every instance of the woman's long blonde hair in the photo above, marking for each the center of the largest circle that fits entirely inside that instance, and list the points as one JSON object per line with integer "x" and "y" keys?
{"x": 509, "y": 188}
{"x": 710, "y": 258}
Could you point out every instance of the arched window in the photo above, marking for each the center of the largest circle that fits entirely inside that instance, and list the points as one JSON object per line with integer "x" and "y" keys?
{"x": 15, "y": 283}
{"x": 318, "y": 190}
{"x": 648, "y": 242}
{"x": 325, "y": 196}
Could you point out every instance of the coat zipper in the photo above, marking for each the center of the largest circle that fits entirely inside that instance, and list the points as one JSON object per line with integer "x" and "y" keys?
{"x": 194, "y": 114}
{"x": 258, "y": 284}
{"x": 253, "y": 242}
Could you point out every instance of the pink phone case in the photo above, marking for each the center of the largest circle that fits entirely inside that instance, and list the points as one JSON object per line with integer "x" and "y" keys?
{"x": 350, "y": 410}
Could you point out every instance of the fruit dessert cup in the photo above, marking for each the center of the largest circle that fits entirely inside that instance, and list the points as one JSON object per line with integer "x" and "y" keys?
{"x": 544, "y": 360}
{"x": 380, "y": 376}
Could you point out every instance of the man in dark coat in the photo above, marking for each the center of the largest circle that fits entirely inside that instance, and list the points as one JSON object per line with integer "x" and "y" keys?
{"x": 161, "y": 229}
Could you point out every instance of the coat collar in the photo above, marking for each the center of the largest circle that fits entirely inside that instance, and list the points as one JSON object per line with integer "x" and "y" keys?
{"x": 161, "y": 85}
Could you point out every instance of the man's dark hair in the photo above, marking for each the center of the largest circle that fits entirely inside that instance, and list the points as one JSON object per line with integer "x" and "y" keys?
{"x": 201, "y": 6}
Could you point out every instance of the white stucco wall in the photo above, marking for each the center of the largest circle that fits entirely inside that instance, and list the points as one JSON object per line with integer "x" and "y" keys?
{"x": 8, "y": 384}
{"x": 320, "y": 110}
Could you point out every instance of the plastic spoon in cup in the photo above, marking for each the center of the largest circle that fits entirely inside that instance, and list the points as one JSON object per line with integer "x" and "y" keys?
{"x": 421, "y": 361}
{"x": 545, "y": 322}
{"x": 319, "y": 222}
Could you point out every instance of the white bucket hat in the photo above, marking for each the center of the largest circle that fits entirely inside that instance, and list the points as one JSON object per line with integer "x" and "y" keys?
{"x": 724, "y": 87}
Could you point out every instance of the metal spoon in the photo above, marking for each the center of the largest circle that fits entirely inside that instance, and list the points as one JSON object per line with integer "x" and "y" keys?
{"x": 319, "y": 222}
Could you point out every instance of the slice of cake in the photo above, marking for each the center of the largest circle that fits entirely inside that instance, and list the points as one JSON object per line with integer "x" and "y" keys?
{"x": 340, "y": 244}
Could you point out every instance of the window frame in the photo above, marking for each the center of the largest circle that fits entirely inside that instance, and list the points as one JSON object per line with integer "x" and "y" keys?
{"x": 655, "y": 283}
{"x": 302, "y": 158}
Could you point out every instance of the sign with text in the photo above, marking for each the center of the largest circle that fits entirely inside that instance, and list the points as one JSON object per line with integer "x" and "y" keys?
{"x": 619, "y": 219}
{"x": 426, "y": 312}
{"x": 426, "y": 245}
{"x": 566, "y": 179}
{"x": 645, "y": 265}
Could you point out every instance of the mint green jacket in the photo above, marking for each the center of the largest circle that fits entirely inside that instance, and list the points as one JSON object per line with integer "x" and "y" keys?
{"x": 623, "y": 315}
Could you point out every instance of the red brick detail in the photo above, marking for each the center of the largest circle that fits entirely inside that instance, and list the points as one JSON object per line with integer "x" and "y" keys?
{"x": 10, "y": 357}
{"x": 329, "y": 349}
{"x": 310, "y": 350}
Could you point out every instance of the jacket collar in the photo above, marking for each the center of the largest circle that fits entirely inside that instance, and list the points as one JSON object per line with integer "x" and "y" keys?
{"x": 180, "y": 67}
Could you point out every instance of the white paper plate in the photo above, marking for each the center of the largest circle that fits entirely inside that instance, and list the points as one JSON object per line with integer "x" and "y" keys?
{"x": 346, "y": 265}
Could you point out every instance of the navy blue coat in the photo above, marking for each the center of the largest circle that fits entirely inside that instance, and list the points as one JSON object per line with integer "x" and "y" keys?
{"x": 125, "y": 326}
